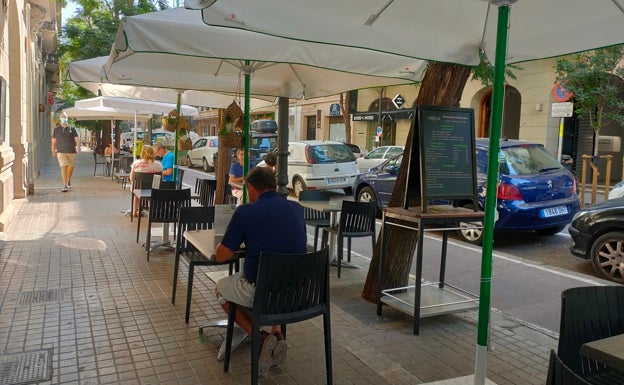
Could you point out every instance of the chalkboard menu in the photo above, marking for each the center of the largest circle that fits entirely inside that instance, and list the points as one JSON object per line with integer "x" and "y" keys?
{"x": 442, "y": 165}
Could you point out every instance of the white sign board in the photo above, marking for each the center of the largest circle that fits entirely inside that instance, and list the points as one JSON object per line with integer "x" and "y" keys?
{"x": 562, "y": 110}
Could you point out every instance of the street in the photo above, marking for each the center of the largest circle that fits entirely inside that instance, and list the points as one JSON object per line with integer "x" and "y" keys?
{"x": 529, "y": 270}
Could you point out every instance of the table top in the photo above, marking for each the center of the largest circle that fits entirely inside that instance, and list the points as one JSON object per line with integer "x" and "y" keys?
{"x": 205, "y": 241}
{"x": 609, "y": 351}
{"x": 324, "y": 206}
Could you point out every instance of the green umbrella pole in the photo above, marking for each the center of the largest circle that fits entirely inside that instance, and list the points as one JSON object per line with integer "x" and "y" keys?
{"x": 246, "y": 133}
{"x": 491, "y": 188}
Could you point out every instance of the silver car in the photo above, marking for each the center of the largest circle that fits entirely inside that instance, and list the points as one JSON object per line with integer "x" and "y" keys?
{"x": 377, "y": 156}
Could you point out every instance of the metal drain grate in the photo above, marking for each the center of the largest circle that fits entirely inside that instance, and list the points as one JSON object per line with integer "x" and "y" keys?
{"x": 26, "y": 367}
{"x": 40, "y": 296}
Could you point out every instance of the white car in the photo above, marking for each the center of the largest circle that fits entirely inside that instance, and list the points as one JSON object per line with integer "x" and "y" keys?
{"x": 320, "y": 165}
{"x": 377, "y": 156}
{"x": 203, "y": 152}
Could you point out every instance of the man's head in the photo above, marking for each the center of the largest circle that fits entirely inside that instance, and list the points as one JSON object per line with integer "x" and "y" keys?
{"x": 159, "y": 149}
{"x": 240, "y": 155}
{"x": 260, "y": 180}
{"x": 64, "y": 119}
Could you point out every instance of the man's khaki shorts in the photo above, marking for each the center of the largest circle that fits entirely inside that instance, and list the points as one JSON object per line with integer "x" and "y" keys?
{"x": 66, "y": 159}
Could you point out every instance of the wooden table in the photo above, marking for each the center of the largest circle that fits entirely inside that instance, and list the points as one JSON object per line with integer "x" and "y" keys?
{"x": 609, "y": 351}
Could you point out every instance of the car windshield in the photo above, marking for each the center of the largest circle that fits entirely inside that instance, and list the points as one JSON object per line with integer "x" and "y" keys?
{"x": 527, "y": 160}
{"x": 377, "y": 153}
{"x": 327, "y": 153}
{"x": 265, "y": 144}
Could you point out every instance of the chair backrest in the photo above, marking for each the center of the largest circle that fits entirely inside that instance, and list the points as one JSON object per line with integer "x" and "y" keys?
{"x": 156, "y": 181}
{"x": 291, "y": 287}
{"x": 179, "y": 178}
{"x": 314, "y": 195}
{"x": 124, "y": 163}
{"x": 192, "y": 218}
{"x": 98, "y": 158}
{"x": 587, "y": 314}
{"x": 143, "y": 180}
{"x": 560, "y": 374}
{"x": 165, "y": 204}
{"x": 358, "y": 218}
{"x": 206, "y": 189}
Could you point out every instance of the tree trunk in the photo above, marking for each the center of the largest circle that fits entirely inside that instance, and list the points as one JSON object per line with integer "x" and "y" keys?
{"x": 344, "y": 108}
{"x": 222, "y": 166}
{"x": 443, "y": 85}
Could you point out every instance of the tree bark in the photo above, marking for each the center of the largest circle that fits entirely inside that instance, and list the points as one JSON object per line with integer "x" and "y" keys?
{"x": 442, "y": 85}
{"x": 222, "y": 166}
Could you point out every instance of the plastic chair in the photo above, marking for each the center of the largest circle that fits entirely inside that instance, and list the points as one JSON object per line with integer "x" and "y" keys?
{"x": 290, "y": 288}
{"x": 97, "y": 159}
{"x": 164, "y": 207}
{"x": 357, "y": 219}
{"x": 194, "y": 218}
{"x": 587, "y": 314}
{"x": 312, "y": 217}
{"x": 205, "y": 189}
{"x": 142, "y": 181}
{"x": 560, "y": 374}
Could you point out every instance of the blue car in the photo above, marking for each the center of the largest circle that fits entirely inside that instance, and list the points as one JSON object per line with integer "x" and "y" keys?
{"x": 535, "y": 191}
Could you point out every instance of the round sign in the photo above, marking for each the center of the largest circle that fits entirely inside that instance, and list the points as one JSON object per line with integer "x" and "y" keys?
{"x": 379, "y": 132}
{"x": 560, "y": 93}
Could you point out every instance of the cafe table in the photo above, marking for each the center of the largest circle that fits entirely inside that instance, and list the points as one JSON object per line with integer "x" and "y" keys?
{"x": 609, "y": 351}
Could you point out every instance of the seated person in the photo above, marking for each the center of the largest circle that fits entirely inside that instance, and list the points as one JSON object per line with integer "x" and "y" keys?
{"x": 146, "y": 163}
{"x": 110, "y": 149}
{"x": 270, "y": 160}
{"x": 267, "y": 223}
{"x": 236, "y": 174}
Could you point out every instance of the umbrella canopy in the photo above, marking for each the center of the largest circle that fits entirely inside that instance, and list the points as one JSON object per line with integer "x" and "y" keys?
{"x": 87, "y": 73}
{"x": 175, "y": 49}
{"x": 103, "y": 113}
{"x": 440, "y": 30}
{"x": 453, "y": 31}
{"x": 141, "y": 106}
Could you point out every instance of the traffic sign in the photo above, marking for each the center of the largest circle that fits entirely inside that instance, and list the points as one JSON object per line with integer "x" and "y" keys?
{"x": 560, "y": 93}
{"x": 562, "y": 110}
{"x": 398, "y": 101}
{"x": 379, "y": 131}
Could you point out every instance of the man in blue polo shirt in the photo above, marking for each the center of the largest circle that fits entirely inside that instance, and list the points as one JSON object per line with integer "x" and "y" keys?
{"x": 268, "y": 223}
{"x": 167, "y": 161}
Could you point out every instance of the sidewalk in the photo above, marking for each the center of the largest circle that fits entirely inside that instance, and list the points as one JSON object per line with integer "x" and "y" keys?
{"x": 79, "y": 304}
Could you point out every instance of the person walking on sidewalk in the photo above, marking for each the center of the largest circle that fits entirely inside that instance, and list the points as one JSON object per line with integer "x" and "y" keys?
{"x": 65, "y": 146}
{"x": 268, "y": 223}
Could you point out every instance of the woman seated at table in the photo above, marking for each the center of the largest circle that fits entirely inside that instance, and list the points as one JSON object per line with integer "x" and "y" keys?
{"x": 110, "y": 149}
{"x": 147, "y": 163}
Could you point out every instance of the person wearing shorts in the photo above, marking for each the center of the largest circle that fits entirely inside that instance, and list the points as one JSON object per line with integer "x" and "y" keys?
{"x": 65, "y": 146}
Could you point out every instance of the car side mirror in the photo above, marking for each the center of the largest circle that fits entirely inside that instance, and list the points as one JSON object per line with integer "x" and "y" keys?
{"x": 392, "y": 170}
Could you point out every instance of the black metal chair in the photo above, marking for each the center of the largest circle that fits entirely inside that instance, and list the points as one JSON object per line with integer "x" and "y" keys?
{"x": 194, "y": 218}
{"x": 164, "y": 207}
{"x": 290, "y": 288}
{"x": 560, "y": 374}
{"x": 312, "y": 217}
{"x": 179, "y": 178}
{"x": 587, "y": 314}
{"x": 98, "y": 159}
{"x": 357, "y": 219}
{"x": 142, "y": 181}
{"x": 205, "y": 189}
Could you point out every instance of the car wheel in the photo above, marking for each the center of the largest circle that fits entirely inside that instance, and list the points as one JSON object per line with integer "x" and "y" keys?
{"x": 607, "y": 255}
{"x": 366, "y": 194}
{"x": 206, "y": 166}
{"x": 550, "y": 230}
{"x": 299, "y": 186}
{"x": 188, "y": 161}
{"x": 348, "y": 190}
{"x": 468, "y": 233}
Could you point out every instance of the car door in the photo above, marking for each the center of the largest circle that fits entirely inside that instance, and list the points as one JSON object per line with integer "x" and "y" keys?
{"x": 198, "y": 151}
{"x": 386, "y": 179}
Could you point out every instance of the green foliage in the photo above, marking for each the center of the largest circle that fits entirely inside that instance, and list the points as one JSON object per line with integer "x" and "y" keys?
{"x": 484, "y": 72}
{"x": 595, "y": 78}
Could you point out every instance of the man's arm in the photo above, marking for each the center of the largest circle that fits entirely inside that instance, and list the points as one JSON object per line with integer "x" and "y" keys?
{"x": 53, "y": 146}
{"x": 222, "y": 253}
{"x": 77, "y": 141}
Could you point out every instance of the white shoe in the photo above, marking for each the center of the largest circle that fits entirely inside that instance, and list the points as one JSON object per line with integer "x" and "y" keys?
{"x": 238, "y": 337}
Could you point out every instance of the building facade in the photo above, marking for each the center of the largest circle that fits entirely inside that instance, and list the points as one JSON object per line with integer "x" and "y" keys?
{"x": 29, "y": 75}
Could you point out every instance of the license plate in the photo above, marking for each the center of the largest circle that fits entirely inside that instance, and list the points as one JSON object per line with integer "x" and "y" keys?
{"x": 336, "y": 180}
{"x": 553, "y": 211}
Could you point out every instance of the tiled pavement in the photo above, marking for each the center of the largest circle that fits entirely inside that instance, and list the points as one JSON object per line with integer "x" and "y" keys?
{"x": 77, "y": 293}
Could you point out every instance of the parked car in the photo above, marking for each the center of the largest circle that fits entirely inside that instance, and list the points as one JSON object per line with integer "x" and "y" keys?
{"x": 320, "y": 165}
{"x": 203, "y": 152}
{"x": 263, "y": 140}
{"x": 356, "y": 150}
{"x": 377, "y": 156}
{"x": 597, "y": 233}
{"x": 535, "y": 192}
{"x": 377, "y": 184}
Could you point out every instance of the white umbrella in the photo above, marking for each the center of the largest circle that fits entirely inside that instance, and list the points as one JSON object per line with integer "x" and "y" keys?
{"x": 103, "y": 113}
{"x": 87, "y": 73}
{"x": 141, "y": 106}
{"x": 175, "y": 49}
{"x": 447, "y": 31}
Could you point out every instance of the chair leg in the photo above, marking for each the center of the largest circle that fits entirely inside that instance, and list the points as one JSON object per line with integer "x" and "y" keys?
{"x": 176, "y": 266}
{"x": 140, "y": 208}
{"x": 316, "y": 233}
{"x": 228, "y": 337}
{"x": 255, "y": 353}
{"x": 328, "y": 351}
{"x": 189, "y": 291}
{"x": 339, "y": 253}
{"x": 148, "y": 238}
{"x": 349, "y": 249}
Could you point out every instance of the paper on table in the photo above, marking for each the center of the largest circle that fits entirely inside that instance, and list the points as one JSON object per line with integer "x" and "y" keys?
{"x": 223, "y": 214}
